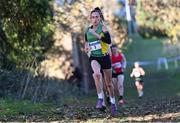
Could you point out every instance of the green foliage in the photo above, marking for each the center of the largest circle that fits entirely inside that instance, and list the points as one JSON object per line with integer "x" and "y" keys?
{"x": 27, "y": 27}
{"x": 159, "y": 17}
{"x": 147, "y": 32}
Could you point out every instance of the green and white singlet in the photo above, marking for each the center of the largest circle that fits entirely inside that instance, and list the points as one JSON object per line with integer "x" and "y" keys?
{"x": 98, "y": 47}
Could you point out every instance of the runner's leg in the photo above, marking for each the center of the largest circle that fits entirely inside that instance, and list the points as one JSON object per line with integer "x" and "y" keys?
{"x": 109, "y": 84}
{"x": 97, "y": 78}
{"x": 120, "y": 85}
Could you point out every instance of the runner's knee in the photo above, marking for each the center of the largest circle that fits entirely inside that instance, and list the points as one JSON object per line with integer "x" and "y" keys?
{"x": 120, "y": 86}
{"x": 96, "y": 75}
{"x": 109, "y": 85}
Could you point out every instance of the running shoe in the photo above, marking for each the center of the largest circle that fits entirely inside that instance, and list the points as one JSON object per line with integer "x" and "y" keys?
{"x": 99, "y": 104}
{"x": 141, "y": 94}
{"x": 113, "y": 109}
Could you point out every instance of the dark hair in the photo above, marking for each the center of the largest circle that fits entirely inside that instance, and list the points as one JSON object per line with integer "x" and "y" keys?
{"x": 97, "y": 9}
{"x": 113, "y": 45}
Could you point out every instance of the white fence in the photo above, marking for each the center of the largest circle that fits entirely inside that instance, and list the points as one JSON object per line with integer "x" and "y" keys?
{"x": 161, "y": 62}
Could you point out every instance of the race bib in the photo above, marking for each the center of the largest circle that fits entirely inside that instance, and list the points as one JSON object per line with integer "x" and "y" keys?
{"x": 117, "y": 65}
{"x": 95, "y": 45}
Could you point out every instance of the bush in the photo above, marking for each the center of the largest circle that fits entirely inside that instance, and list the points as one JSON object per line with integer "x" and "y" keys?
{"x": 147, "y": 32}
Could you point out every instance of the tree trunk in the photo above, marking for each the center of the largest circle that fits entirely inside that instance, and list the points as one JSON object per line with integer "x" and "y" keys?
{"x": 81, "y": 60}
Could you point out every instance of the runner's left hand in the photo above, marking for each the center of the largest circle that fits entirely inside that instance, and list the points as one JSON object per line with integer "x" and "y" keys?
{"x": 92, "y": 31}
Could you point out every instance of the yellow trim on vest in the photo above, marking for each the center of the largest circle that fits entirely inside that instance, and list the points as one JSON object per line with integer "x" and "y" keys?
{"x": 105, "y": 46}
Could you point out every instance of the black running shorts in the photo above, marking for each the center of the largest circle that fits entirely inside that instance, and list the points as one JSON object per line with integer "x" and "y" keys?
{"x": 104, "y": 61}
{"x": 114, "y": 75}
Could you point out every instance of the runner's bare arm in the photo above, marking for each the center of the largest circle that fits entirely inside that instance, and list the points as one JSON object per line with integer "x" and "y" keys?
{"x": 132, "y": 73}
{"x": 86, "y": 45}
{"x": 105, "y": 37}
{"x": 142, "y": 71}
{"x": 94, "y": 33}
{"x": 124, "y": 61}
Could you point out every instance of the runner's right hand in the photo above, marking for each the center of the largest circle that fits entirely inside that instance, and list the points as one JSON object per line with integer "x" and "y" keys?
{"x": 86, "y": 48}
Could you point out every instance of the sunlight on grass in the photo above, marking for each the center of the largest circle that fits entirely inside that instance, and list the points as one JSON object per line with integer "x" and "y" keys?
{"x": 71, "y": 100}
{"x": 154, "y": 117}
{"x": 178, "y": 94}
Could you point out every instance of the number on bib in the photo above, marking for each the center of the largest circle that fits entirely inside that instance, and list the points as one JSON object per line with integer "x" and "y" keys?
{"x": 95, "y": 45}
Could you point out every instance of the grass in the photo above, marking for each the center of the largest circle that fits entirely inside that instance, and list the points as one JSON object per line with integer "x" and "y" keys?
{"x": 11, "y": 107}
{"x": 161, "y": 83}
{"x": 156, "y": 84}
{"x": 145, "y": 49}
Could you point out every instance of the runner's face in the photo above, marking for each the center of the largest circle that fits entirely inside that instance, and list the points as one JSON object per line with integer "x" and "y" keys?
{"x": 136, "y": 65}
{"x": 95, "y": 18}
{"x": 114, "y": 50}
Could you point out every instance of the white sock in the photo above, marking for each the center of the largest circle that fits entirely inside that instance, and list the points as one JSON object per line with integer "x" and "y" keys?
{"x": 140, "y": 93}
{"x": 100, "y": 95}
{"x": 112, "y": 100}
